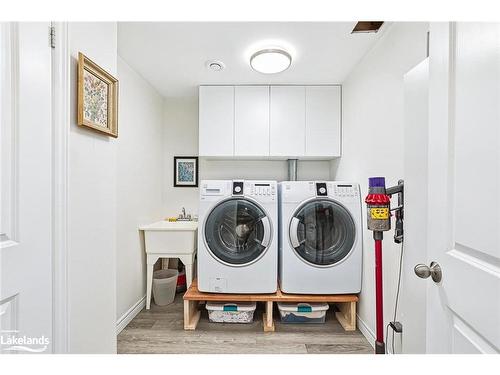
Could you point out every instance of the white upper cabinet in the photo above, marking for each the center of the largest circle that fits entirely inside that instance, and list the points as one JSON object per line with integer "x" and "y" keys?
{"x": 288, "y": 122}
{"x": 251, "y": 121}
{"x": 323, "y": 121}
{"x": 216, "y": 121}
{"x": 280, "y": 122}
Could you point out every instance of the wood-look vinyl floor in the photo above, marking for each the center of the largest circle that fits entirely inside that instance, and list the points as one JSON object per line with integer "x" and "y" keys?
{"x": 160, "y": 330}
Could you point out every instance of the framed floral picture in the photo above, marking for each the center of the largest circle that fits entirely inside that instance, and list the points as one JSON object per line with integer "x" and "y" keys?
{"x": 185, "y": 171}
{"x": 97, "y": 97}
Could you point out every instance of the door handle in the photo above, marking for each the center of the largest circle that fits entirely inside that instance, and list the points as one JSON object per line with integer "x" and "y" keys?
{"x": 434, "y": 271}
{"x": 266, "y": 239}
{"x": 294, "y": 238}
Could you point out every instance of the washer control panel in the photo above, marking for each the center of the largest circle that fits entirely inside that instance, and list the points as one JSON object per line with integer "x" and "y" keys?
{"x": 321, "y": 190}
{"x": 237, "y": 187}
{"x": 261, "y": 189}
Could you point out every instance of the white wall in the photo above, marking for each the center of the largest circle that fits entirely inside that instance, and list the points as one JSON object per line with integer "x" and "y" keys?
{"x": 181, "y": 139}
{"x": 139, "y": 170}
{"x": 91, "y": 207}
{"x": 373, "y": 142}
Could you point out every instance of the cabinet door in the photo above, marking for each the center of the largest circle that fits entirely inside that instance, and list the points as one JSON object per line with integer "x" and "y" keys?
{"x": 323, "y": 121}
{"x": 251, "y": 120}
{"x": 287, "y": 135}
{"x": 216, "y": 121}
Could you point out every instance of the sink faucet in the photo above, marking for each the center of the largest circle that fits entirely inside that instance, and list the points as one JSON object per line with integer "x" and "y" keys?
{"x": 183, "y": 217}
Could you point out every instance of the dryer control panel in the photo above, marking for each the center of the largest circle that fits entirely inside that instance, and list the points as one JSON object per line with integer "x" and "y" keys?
{"x": 345, "y": 190}
{"x": 297, "y": 191}
{"x": 336, "y": 190}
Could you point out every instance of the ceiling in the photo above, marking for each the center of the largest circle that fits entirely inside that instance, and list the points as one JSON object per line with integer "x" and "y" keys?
{"x": 172, "y": 55}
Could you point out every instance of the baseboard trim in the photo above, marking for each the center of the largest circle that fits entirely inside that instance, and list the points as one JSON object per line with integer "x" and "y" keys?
{"x": 366, "y": 331}
{"x": 130, "y": 314}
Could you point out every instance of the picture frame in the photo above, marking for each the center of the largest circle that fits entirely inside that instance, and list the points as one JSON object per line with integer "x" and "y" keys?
{"x": 97, "y": 97}
{"x": 185, "y": 171}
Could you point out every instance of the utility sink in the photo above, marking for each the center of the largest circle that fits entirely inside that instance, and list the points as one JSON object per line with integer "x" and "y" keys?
{"x": 169, "y": 239}
{"x": 170, "y": 236}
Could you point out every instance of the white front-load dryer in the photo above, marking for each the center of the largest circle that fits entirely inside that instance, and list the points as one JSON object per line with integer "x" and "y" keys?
{"x": 238, "y": 240}
{"x": 321, "y": 246}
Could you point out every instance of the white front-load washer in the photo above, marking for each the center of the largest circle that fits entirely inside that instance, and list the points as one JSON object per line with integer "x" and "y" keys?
{"x": 238, "y": 240}
{"x": 321, "y": 246}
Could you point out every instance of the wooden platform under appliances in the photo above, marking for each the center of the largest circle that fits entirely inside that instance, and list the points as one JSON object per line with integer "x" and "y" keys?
{"x": 346, "y": 304}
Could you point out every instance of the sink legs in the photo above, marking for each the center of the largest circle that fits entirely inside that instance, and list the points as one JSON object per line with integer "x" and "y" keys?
{"x": 189, "y": 274}
{"x": 186, "y": 259}
{"x": 151, "y": 260}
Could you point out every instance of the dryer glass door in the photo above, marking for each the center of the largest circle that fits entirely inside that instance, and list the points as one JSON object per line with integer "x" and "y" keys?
{"x": 237, "y": 231}
{"x": 322, "y": 232}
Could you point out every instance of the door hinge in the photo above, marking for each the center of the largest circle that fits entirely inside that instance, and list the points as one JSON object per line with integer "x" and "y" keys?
{"x": 428, "y": 43}
{"x": 52, "y": 36}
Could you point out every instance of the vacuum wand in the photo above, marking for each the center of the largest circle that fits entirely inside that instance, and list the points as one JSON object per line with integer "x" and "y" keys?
{"x": 378, "y": 204}
{"x": 379, "y": 298}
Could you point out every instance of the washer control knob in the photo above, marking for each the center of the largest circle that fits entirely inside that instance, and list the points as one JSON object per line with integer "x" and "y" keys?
{"x": 237, "y": 189}
{"x": 322, "y": 190}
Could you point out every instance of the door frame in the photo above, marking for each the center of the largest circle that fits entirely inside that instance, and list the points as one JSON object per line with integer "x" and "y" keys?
{"x": 60, "y": 135}
{"x": 413, "y": 294}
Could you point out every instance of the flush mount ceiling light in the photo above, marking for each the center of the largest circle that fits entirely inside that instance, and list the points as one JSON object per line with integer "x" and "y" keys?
{"x": 215, "y": 65}
{"x": 270, "y": 60}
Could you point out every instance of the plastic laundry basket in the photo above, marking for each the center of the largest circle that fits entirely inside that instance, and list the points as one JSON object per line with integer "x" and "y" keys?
{"x": 164, "y": 285}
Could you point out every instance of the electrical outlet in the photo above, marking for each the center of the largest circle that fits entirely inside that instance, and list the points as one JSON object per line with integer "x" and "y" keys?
{"x": 396, "y": 326}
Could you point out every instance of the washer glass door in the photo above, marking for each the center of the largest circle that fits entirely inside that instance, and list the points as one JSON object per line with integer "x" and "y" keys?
{"x": 237, "y": 231}
{"x": 322, "y": 232}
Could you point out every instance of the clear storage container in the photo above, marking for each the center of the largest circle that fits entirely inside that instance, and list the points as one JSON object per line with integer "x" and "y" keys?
{"x": 237, "y": 312}
{"x": 302, "y": 312}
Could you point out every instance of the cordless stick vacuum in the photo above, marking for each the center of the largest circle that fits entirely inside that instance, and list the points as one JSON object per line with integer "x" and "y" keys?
{"x": 378, "y": 204}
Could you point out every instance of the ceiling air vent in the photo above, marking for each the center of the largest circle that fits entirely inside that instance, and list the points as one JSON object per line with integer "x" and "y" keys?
{"x": 367, "y": 27}
{"x": 215, "y": 65}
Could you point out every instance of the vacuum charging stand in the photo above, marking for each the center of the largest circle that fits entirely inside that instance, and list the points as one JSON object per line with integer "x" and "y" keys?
{"x": 399, "y": 210}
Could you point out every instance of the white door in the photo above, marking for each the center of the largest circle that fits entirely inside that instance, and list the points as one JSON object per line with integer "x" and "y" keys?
{"x": 251, "y": 121}
{"x": 216, "y": 121}
{"x": 323, "y": 121}
{"x": 288, "y": 122}
{"x": 463, "y": 310}
{"x": 25, "y": 243}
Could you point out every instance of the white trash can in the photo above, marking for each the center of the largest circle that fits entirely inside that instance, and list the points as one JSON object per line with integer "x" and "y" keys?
{"x": 164, "y": 285}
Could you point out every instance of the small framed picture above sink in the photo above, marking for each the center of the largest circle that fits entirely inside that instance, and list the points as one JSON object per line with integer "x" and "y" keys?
{"x": 185, "y": 171}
